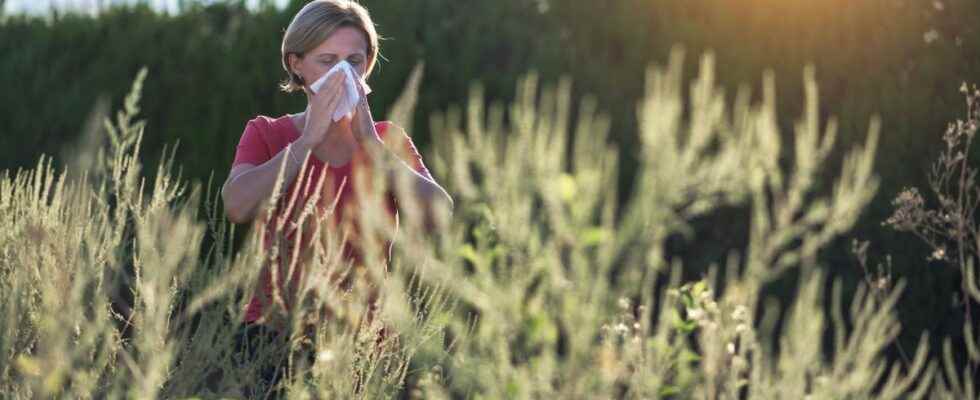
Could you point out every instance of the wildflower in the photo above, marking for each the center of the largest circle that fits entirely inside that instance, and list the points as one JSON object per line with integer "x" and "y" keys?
{"x": 938, "y": 5}
{"x": 624, "y": 303}
{"x": 930, "y": 36}
{"x": 741, "y": 328}
{"x": 909, "y": 212}
{"x": 741, "y": 313}
{"x": 731, "y": 348}
{"x": 939, "y": 254}
{"x": 695, "y": 313}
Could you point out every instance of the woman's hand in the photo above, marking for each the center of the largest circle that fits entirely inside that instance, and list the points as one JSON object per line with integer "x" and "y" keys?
{"x": 319, "y": 115}
{"x": 363, "y": 123}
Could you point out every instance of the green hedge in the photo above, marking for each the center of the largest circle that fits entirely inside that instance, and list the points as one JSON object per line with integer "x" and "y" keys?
{"x": 214, "y": 67}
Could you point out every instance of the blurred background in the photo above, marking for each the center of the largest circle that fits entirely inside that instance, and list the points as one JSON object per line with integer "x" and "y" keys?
{"x": 215, "y": 64}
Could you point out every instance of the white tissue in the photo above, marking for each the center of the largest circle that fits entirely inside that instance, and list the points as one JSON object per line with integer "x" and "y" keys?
{"x": 351, "y": 96}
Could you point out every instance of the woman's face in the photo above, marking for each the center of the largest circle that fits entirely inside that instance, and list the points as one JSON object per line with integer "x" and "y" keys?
{"x": 346, "y": 43}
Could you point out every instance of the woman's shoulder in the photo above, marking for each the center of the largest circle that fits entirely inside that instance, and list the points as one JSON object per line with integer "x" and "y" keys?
{"x": 389, "y": 128}
{"x": 391, "y": 134}
{"x": 397, "y": 139}
{"x": 267, "y": 124}
{"x": 263, "y": 137}
{"x": 382, "y": 127}
{"x": 275, "y": 131}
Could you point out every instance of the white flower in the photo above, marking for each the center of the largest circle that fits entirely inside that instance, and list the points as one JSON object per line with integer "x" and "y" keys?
{"x": 624, "y": 303}
{"x": 882, "y": 283}
{"x": 731, "y": 348}
{"x": 741, "y": 313}
{"x": 938, "y": 5}
{"x": 695, "y": 313}
{"x": 931, "y": 36}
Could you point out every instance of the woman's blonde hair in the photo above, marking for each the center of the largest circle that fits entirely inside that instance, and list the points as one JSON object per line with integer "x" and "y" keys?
{"x": 314, "y": 23}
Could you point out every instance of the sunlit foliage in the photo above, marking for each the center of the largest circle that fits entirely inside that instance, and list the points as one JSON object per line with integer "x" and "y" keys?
{"x": 537, "y": 284}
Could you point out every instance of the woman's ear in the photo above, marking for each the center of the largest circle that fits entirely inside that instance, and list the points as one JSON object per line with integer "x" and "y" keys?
{"x": 294, "y": 62}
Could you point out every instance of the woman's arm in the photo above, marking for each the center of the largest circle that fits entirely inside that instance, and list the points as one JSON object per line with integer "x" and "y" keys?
{"x": 429, "y": 192}
{"x": 249, "y": 185}
{"x": 426, "y": 187}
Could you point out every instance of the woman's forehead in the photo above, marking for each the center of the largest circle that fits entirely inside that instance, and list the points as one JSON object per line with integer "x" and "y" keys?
{"x": 345, "y": 40}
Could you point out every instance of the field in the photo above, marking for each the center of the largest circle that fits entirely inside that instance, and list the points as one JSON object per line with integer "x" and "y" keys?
{"x": 626, "y": 225}
{"x": 536, "y": 286}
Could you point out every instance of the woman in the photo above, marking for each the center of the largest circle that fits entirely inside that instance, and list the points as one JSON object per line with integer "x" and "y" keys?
{"x": 322, "y": 34}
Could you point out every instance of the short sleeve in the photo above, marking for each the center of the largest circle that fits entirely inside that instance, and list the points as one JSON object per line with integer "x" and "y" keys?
{"x": 408, "y": 153}
{"x": 252, "y": 147}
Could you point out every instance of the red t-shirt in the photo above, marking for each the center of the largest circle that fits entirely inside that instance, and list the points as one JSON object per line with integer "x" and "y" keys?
{"x": 265, "y": 137}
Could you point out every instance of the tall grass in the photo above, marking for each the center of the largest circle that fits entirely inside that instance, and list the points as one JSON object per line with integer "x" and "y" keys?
{"x": 537, "y": 285}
